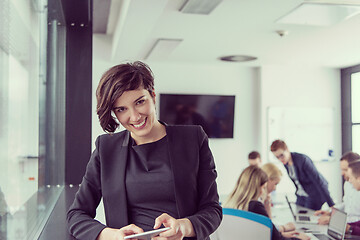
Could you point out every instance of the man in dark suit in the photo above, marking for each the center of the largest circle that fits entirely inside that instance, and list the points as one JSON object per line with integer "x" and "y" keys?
{"x": 311, "y": 187}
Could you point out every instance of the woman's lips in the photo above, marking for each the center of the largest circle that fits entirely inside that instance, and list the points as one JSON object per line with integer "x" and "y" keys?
{"x": 140, "y": 125}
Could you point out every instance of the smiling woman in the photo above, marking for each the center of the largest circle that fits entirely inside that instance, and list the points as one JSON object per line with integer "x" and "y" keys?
{"x": 142, "y": 173}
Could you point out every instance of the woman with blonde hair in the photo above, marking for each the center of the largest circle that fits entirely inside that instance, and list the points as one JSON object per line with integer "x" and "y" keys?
{"x": 246, "y": 190}
{"x": 274, "y": 174}
{"x": 251, "y": 184}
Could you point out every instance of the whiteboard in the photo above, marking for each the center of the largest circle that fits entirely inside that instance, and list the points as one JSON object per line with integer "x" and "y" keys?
{"x": 305, "y": 130}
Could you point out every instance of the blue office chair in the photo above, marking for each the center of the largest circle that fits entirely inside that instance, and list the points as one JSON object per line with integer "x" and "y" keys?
{"x": 239, "y": 224}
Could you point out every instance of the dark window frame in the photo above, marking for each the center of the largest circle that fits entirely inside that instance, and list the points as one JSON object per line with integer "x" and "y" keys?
{"x": 346, "y": 107}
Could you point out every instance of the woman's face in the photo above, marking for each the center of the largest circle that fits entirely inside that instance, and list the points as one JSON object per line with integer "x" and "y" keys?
{"x": 263, "y": 189}
{"x": 355, "y": 181}
{"x": 272, "y": 183}
{"x": 135, "y": 110}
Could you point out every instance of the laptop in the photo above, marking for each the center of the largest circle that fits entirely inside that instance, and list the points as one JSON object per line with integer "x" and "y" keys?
{"x": 336, "y": 228}
{"x": 302, "y": 218}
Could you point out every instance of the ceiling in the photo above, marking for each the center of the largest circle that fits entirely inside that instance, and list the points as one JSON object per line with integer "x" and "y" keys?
{"x": 234, "y": 27}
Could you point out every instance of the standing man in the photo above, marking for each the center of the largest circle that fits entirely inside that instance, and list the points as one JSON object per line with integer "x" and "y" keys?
{"x": 351, "y": 198}
{"x": 254, "y": 158}
{"x": 311, "y": 187}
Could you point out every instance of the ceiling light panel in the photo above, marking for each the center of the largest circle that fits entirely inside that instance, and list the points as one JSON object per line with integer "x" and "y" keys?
{"x": 319, "y": 14}
{"x": 162, "y": 49}
{"x": 199, "y": 6}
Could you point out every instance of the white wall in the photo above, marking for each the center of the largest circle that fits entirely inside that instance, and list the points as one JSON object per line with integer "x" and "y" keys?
{"x": 230, "y": 79}
{"x": 299, "y": 86}
{"x": 255, "y": 89}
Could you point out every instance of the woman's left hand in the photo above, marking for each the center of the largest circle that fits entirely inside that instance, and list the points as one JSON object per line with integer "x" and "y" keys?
{"x": 180, "y": 228}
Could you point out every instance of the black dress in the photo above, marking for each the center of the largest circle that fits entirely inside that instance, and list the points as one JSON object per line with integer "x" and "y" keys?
{"x": 149, "y": 183}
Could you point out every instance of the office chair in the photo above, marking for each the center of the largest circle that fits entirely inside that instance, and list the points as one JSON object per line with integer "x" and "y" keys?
{"x": 239, "y": 224}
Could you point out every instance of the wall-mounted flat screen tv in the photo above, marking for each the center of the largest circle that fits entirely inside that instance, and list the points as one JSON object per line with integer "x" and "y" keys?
{"x": 215, "y": 113}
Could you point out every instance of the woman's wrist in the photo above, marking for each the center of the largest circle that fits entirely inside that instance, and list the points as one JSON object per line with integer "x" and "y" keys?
{"x": 103, "y": 233}
{"x": 187, "y": 227}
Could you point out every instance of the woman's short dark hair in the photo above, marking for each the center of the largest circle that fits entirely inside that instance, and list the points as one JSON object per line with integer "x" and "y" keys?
{"x": 114, "y": 82}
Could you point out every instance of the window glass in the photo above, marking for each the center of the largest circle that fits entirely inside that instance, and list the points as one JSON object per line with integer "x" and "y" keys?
{"x": 356, "y": 138}
{"x": 19, "y": 73}
{"x": 26, "y": 198}
{"x": 355, "y": 97}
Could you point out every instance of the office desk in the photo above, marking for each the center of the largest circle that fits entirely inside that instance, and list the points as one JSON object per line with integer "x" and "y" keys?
{"x": 281, "y": 215}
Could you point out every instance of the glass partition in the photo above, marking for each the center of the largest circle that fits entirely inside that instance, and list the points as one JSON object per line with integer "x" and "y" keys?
{"x": 32, "y": 113}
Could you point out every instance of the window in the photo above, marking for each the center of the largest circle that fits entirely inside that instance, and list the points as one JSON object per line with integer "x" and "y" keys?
{"x": 350, "y": 104}
{"x": 355, "y": 111}
{"x": 31, "y": 77}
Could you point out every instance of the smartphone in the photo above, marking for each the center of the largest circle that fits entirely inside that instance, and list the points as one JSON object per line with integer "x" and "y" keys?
{"x": 147, "y": 235}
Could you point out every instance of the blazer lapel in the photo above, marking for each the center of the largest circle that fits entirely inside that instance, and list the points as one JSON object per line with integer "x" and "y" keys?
{"x": 118, "y": 202}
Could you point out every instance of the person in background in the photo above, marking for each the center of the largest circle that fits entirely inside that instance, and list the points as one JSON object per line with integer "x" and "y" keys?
{"x": 251, "y": 184}
{"x": 274, "y": 174}
{"x": 351, "y": 198}
{"x": 354, "y": 178}
{"x": 254, "y": 158}
{"x": 150, "y": 174}
{"x": 311, "y": 187}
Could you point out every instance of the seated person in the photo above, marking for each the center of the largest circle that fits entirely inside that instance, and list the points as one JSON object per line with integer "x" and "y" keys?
{"x": 274, "y": 174}
{"x": 254, "y": 158}
{"x": 249, "y": 187}
{"x": 354, "y": 178}
{"x": 351, "y": 198}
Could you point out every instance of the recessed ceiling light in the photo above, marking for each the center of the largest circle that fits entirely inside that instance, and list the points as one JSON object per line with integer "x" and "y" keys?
{"x": 237, "y": 58}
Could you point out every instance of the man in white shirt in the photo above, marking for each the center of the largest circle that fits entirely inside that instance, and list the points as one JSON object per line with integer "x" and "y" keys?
{"x": 351, "y": 198}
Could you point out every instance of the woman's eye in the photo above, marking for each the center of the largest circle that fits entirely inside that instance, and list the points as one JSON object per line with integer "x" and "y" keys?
{"x": 120, "y": 109}
{"x": 140, "y": 102}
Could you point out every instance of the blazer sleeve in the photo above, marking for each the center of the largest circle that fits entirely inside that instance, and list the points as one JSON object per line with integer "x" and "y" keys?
{"x": 317, "y": 181}
{"x": 209, "y": 215}
{"x": 81, "y": 214}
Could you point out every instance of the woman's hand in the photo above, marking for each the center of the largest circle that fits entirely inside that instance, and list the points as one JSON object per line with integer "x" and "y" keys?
{"x": 180, "y": 228}
{"x": 267, "y": 204}
{"x": 289, "y": 227}
{"x": 295, "y": 234}
{"x": 118, "y": 234}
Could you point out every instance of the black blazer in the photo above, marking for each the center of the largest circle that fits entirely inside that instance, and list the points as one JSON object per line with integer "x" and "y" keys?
{"x": 314, "y": 184}
{"x": 194, "y": 175}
